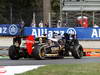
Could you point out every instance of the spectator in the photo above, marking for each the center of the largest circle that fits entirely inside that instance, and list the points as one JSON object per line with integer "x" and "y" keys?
{"x": 59, "y": 24}
{"x": 95, "y": 26}
{"x": 22, "y": 27}
{"x": 41, "y": 24}
{"x": 46, "y": 24}
{"x": 22, "y": 24}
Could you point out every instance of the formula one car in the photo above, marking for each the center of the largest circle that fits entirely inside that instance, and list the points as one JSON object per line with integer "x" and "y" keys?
{"x": 42, "y": 47}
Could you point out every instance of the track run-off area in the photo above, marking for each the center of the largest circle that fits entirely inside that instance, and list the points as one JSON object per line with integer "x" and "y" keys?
{"x": 11, "y": 67}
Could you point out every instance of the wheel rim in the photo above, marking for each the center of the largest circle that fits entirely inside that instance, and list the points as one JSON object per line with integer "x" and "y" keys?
{"x": 42, "y": 52}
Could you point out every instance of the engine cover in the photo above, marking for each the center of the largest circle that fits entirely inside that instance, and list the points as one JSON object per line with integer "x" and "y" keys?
{"x": 55, "y": 49}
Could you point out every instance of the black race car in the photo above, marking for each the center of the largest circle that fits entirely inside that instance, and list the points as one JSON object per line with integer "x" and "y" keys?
{"x": 41, "y": 47}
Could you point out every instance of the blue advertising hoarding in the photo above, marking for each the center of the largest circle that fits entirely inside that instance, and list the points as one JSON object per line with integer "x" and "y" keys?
{"x": 9, "y": 29}
{"x": 82, "y": 33}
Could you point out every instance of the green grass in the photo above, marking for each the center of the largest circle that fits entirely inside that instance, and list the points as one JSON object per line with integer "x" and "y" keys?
{"x": 67, "y": 69}
{"x": 2, "y": 57}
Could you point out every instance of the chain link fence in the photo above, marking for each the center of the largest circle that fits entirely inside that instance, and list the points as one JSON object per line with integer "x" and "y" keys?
{"x": 75, "y": 19}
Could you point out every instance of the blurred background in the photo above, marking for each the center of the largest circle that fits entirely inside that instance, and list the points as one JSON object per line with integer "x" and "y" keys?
{"x": 66, "y": 13}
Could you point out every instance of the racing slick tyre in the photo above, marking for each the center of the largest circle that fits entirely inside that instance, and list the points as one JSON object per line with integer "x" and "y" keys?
{"x": 77, "y": 51}
{"x": 61, "y": 55}
{"x": 39, "y": 52}
{"x": 14, "y": 52}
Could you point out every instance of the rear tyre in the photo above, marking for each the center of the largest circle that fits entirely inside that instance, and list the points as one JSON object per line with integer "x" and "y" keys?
{"x": 39, "y": 52}
{"x": 61, "y": 55}
{"x": 67, "y": 48}
{"x": 77, "y": 51}
{"x": 14, "y": 52}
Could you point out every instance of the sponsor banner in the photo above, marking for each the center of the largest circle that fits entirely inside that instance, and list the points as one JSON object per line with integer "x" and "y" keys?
{"x": 82, "y": 33}
{"x": 9, "y": 29}
{"x": 12, "y": 70}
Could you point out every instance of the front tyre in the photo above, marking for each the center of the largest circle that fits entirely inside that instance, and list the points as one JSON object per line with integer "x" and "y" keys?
{"x": 39, "y": 52}
{"x": 14, "y": 52}
{"x": 77, "y": 51}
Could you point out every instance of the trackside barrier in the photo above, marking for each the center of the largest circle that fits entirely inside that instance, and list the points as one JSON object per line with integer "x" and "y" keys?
{"x": 9, "y": 29}
{"x": 82, "y": 33}
{"x": 92, "y": 52}
{"x": 89, "y": 33}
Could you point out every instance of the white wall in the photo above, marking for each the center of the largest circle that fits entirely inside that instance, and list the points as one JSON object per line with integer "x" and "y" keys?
{"x": 90, "y": 44}
{"x": 6, "y": 41}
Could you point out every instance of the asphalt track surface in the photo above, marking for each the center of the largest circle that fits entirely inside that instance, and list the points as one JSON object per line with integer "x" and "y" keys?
{"x": 67, "y": 60}
{"x": 5, "y": 61}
